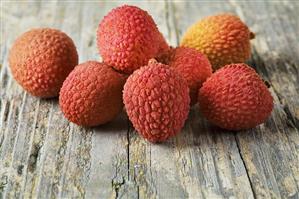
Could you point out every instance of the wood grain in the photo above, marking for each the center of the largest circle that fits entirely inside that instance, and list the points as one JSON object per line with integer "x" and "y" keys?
{"x": 42, "y": 155}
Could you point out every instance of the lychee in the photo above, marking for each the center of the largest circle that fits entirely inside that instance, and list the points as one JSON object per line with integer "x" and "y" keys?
{"x": 223, "y": 38}
{"x": 157, "y": 101}
{"x": 192, "y": 65}
{"x": 92, "y": 94}
{"x": 128, "y": 37}
{"x": 235, "y": 98}
{"x": 41, "y": 59}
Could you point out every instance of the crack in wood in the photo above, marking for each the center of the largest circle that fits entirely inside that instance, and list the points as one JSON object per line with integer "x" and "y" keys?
{"x": 293, "y": 121}
{"x": 117, "y": 181}
{"x": 33, "y": 157}
{"x": 3, "y": 183}
{"x": 245, "y": 165}
{"x": 176, "y": 29}
{"x": 116, "y": 185}
{"x": 4, "y": 75}
{"x": 129, "y": 127}
{"x": 166, "y": 15}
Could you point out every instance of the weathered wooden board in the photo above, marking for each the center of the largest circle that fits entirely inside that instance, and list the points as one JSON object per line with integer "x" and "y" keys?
{"x": 42, "y": 155}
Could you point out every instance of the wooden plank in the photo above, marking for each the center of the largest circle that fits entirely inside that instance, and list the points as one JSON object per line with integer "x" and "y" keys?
{"x": 15, "y": 102}
{"x": 151, "y": 166}
{"x": 61, "y": 155}
{"x": 109, "y": 159}
{"x": 212, "y": 165}
{"x": 272, "y": 152}
{"x": 43, "y": 155}
{"x": 269, "y": 152}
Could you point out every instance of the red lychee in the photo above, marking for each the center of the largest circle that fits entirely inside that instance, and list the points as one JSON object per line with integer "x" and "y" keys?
{"x": 157, "y": 101}
{"x": 92, "y": 94}
{"x": 128, "y": 37}
{"x": 192, "y": 65}
{"x": 41, "y": 59}
{"x": 235, "y": 98}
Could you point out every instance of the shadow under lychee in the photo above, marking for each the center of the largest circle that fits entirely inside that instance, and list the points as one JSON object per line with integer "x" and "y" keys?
{"x": 119, "y": 125}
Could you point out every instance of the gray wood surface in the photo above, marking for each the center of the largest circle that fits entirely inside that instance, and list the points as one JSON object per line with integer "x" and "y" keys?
{"x": 42, "y": 155}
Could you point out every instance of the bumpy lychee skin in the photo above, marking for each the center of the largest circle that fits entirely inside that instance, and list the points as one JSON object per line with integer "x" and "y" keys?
{"x": 157, "y": 101}
{"x": 193, "y": 66}
{"x": 92, "y": 94}
{"x": 41, "y": 59}
{"x": 235, "y": 98}
{"x": 128, "y": 37}
{"x": 224, "y": 38}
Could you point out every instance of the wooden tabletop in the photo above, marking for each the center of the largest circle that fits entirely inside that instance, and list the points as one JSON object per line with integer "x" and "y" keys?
{"x": 42, "y": 155}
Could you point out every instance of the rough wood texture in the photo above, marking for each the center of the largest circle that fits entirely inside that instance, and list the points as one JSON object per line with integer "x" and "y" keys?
{"x": 42, "y": 155}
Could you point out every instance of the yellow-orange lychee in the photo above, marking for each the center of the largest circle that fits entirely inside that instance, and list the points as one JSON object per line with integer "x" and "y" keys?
{"x": 223, "y": 38}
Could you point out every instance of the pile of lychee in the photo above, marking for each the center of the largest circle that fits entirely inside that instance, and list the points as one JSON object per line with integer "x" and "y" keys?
{"x": 156, "y": 83}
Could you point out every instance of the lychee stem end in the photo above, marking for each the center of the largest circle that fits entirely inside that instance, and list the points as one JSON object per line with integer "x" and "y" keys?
{"x": 251, "y": 35}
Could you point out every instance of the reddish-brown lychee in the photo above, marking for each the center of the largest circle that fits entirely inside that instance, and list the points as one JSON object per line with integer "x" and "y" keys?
{"x": 157, "y": 101}
{"x": 192, "y": 65}
{"x": 235, "y": 98}
{"x": 92, "y": 94}
{"x": 41, "y": 59}
{"x": 128, "y": 37}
